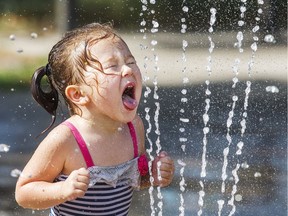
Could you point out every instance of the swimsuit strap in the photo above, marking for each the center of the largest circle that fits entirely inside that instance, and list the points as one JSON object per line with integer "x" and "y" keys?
{"x": 83, "y": 147}
{"x": 81, "y": 143}
{"x": 134, "y": 138}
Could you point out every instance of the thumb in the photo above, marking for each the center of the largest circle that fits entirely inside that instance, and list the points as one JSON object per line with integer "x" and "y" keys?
{"x": 83, "y": 171}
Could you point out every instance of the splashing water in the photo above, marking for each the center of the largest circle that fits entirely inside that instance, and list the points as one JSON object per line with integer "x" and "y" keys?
{"x": 4, "y": 148}
{"x": 272, "y": 89}
{"x": 229, "y": 139}
{"x": 269, "y": 38}
{"x": 184, "y": 120}
{"x": 206, "y": 115}
{"x": 153, "y": 43}
{"x": 15, "y": 173}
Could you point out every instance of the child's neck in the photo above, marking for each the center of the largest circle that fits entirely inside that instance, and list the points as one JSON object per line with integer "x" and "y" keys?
{"x": 107, "y": 125}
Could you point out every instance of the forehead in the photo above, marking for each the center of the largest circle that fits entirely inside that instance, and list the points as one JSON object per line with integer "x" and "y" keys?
{"x": 110, "y": 47}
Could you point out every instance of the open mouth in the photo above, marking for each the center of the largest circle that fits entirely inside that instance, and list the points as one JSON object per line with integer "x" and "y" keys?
{"x": 128, "y": 97}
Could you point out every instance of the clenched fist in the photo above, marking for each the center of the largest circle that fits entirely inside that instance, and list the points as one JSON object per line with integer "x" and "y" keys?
{"x": 162, "y": 169}
{"x": 76, "y": 184}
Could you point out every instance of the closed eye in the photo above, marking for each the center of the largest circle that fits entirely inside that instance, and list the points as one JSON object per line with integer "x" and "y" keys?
{"x": 110, "y": 66}
{"x": 131, "y": 62}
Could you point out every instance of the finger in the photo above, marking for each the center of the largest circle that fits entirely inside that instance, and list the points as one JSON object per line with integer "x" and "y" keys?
{"x": 165, "y": 159}
{"x": 83, "y": 179}
{"x": 83, "y": 171}
{"x": 167, "y": 173}
{"x": 163, "y": 154}
{"x": 166, "y": 165}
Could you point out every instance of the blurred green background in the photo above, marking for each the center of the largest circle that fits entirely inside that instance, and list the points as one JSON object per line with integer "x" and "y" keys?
{"x": 48, "y": 17}
{"x": 125, "y": 13}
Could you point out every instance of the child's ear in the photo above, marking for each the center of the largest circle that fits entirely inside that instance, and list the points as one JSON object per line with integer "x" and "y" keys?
{"x": 76, "y": 95}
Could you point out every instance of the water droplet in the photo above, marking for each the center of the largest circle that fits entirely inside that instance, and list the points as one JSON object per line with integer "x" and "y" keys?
{"x": 245, "y": 165}
{"x": 185, "y": 9}
{"x": 155, "y": 24}
{"x": 207, "y": 92}
{"x": 185, "y": 120}
{"x": 184, "y": 43}
{"x": 255, "y": 29}
{"x": 154, "y": 42}
{"x": 15, "y": 173}
{"x": 181, "y": 163}
{"x": 183, "y": 139}
{"x": 184, "y": 100}
{"x": 243, "y": 9}
{"x": 12, "y": 37}
{"x": 154, "y": 30}
{"x": 254, "y": 46}
{"x": 269, "y": 38}
{"x": 235, "y": 98}
{"x": 19, "y": 50}
{"x": 272, "y": 89}
{"x": 238, "y": 197}
{"x": 34, "y": 35}
{"x": 239, "y": 36}
{"x": 206, "y": 130}
{"x": 257, "y": 174}
{"x": 185, "y": 80}
{"x": 206, "y": 119}
{"x": 143, "y": 23}
{"x": 182, "y": 130}
{"x": 4, "y": 148}
{"x": 255, "y": 38}
{"x": 241, "y": 23}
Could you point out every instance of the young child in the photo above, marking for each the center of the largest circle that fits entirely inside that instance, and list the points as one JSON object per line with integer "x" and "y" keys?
{"x": 91, "y": 163}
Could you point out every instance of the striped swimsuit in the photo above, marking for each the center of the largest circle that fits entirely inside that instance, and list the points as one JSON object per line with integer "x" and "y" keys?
{"x": 111, "y": 188}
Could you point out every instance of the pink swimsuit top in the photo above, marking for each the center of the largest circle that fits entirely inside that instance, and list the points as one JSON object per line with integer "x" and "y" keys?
{"x": 142, "y": 160}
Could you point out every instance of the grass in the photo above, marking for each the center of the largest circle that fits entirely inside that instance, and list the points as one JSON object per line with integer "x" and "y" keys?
{"x": 20, "y": 76}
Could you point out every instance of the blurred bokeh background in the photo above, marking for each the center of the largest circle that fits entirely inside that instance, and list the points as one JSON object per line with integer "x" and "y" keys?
{"x": 225, "y": 60}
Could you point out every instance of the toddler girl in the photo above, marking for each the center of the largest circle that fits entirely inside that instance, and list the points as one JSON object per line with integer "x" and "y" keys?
{"x": 91, "y": 163}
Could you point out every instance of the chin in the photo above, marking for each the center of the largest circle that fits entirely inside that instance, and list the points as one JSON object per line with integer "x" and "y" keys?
{"x": 130, "y": 117}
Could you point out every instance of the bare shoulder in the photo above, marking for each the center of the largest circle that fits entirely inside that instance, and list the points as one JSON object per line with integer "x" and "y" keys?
{"x": 48, "y": 160}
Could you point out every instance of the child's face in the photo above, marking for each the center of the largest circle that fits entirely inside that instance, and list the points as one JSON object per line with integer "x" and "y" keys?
{"x": 117, "y": 89}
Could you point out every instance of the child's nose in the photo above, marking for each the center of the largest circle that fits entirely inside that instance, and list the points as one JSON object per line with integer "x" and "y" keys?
{"x": 126, "y": 70}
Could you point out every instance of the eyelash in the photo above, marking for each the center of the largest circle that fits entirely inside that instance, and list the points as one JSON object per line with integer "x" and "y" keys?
{"x": 111, "y": 66}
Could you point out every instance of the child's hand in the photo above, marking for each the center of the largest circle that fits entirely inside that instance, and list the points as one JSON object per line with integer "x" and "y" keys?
{"x": 162, "y": 169}
{"x": 76, "y": 184}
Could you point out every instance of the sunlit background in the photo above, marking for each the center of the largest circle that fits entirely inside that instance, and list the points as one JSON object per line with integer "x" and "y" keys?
{"x": 214, "y": 96}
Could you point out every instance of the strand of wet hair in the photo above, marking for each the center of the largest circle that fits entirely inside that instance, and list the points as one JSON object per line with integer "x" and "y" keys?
{"x": 48, "y": 100}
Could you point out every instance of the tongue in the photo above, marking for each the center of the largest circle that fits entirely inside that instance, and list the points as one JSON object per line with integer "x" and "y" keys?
{"x": 129, "y": 102}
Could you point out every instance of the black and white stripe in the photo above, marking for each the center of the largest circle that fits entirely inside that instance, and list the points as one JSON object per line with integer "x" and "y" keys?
{"x": 100, "y": 199}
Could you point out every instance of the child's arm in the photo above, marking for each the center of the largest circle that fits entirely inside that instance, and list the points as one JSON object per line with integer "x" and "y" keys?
{"x": 35, "y": 188}
{"x": 162, "y": 163}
